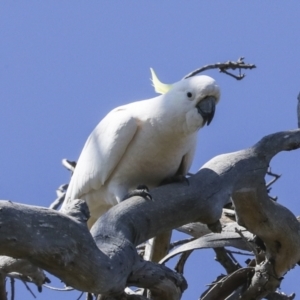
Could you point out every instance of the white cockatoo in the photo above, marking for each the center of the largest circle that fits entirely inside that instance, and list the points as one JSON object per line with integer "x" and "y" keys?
{"x": 143, "y": 142}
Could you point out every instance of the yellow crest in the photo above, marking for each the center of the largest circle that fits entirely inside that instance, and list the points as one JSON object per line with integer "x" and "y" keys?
{"x": 159, "y": 87}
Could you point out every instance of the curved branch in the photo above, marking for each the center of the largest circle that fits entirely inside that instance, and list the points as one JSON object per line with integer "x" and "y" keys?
{"x": 22, "y": 269}
{"x": 223, "y": 67}
{"x": 107, "y": 261}
{"x": 74, "y": 256}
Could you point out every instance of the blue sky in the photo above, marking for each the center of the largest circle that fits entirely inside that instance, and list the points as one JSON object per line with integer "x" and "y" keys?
{"x": 65, "y": 64}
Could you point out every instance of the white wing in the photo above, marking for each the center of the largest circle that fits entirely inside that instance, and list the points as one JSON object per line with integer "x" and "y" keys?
{"x": 102, "y": 152}
{"x": 187, "y": 160}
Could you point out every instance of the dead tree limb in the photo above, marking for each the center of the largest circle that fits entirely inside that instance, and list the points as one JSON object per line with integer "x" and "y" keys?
{"x": 22, "y": 269}
{"x": 106, "y": 261}
{"x": 298, "y": 111}
{"x": 224, "y": 67}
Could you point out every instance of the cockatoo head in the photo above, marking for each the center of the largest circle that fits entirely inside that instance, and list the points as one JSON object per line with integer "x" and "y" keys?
{"x": 195, "y": 96}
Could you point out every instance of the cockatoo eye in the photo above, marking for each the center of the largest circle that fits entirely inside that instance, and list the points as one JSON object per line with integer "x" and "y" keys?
{"x": 189, "y": 94}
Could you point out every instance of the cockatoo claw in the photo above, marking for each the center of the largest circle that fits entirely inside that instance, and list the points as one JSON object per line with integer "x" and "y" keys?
{"x": 141, "y": 190}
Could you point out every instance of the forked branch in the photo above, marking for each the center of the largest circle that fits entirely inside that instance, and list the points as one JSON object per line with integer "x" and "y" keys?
{"x": 224, "y": 67}
{"x": 107, "y": 261}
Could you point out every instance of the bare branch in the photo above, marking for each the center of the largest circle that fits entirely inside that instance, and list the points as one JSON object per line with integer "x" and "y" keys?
{"x": 223, "y": 67}
{"x": 66, "y": 289}
{"x": 224, "y": 259}
{"x": 298, "y": 110}
{"x": 227, "y": 238}
{"x": 78, "y": 253}
{"x": 3, "y": 294}
{"x": 89, "y": 296}
{"x": 263, "y": 282}
{"x": 161, "y": 244}
{"x": 278, "y": 234}
{"x": 182, "y": 260}
{"x": 12, "y": 288}
{"x": 251, "y": 246}
{"x": 29, "y": 289}
{"x": 22, "y": 269}
{"x": 239, "y": 253}
{"x": 228, "y": 284}
{"x": 109, "y": 255}
{"x": 181, "y": 242}
{"x": 275, "y": 178}
{"x": 160, "y": 289}
{"x": 195, "y": 229}
{"x": 80, "y": 296}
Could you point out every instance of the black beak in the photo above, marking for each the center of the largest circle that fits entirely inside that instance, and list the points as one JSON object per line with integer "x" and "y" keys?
{"x": 206, "y": 108}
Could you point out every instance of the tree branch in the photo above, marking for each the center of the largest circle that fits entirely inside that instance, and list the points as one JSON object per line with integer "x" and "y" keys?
{"x": 3, "y": 294}
{"x": 23, "y": 270}
{"x": 225, "y": 260}
{"x": 298, "y": 111}
{"x": 106, "y": 262}
{"x": 223, "y": 67}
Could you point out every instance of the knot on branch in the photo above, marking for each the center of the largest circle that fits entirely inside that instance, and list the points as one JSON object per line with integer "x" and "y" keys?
{"x": 77, "y": 209}
{"x": 263, "y": 282}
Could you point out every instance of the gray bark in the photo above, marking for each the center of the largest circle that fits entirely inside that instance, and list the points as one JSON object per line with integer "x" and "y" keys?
{"x": 105, "y": 261}
{"x": 22, "y": 269}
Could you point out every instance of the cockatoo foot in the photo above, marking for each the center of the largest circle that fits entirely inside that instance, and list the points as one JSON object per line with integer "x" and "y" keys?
{"x": 141, "y": 190}
{"x": 175, "y": 179}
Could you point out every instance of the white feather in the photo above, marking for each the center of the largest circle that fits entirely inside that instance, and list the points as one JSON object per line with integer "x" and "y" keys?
{"x": 143, "y": 142}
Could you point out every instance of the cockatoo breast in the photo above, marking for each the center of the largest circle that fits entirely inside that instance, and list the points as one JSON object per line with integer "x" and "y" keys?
{"x": 143, "y": 142}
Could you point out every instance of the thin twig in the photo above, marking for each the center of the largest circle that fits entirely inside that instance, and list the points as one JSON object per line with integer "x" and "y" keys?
{"x": 181, "y": 242}
{"x": 237, "y": 77}
{"x": 80, "y": 296}
{"x": 298, "y": 111}
{"x": 275, "y": 178}
{"x": 89, "y": 296}
{"x": 225, "y": 260}
{"x": 12, "y": 288}
{"x": 182, "y": 260}
{"x": 29, "y": 289}
{"x": 273, "y": 198}
{"x": 232, "y": 257}
{"x": 3, "y": 293}
{"x": 247, "y": 242}
{"x": 239, "y": 253}
{"x": 66, "y": 289}
{"x": 223, "y": 67}
{"x": 270, "y": 183}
